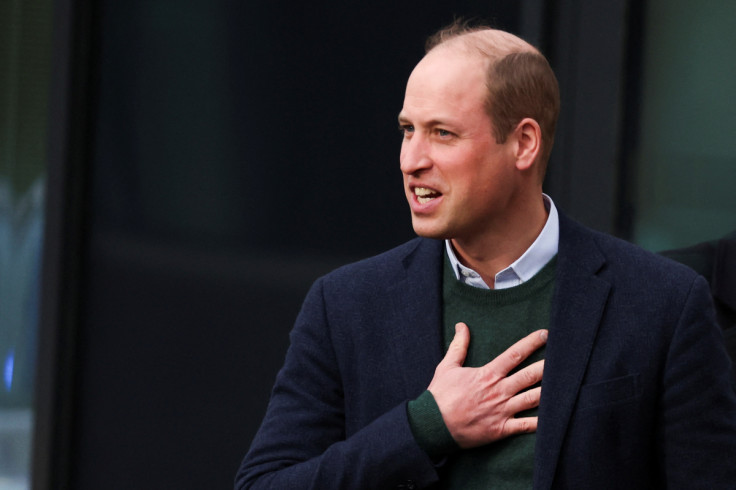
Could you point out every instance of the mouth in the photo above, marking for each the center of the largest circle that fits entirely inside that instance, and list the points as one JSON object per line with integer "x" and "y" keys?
{"x": 425, "y": 195}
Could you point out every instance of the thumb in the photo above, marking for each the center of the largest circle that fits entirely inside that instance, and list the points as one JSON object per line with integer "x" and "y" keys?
{"x": 458, "y": 347}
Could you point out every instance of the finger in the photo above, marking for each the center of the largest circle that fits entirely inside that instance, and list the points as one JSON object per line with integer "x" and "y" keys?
{"x": 514, "y": 355}
{"x": 524, "y": 401}
{"x": 529, "y": 376}
{"x": 522, "y": 425}
{"x": 458, "y": 347}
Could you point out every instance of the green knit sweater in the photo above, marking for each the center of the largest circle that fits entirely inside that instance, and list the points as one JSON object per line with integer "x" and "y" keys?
{"x": 497, "y": 319}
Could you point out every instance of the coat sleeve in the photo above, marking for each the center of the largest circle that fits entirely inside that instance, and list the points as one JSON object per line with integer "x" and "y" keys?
{"x": 698, "y": 428}
{"x": 302, "y": 442}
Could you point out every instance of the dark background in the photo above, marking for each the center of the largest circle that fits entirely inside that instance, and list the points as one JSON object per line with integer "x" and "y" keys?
{"x": 214, "y": 158}
{"x": 241, "y": 149}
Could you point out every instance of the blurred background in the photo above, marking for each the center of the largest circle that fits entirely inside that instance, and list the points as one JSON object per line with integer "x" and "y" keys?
{"x": 175, "y": 174}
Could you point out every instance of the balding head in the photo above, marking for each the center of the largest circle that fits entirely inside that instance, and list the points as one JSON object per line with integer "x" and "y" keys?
{"x": 519, "y": 80}
{"x": 490, "y": 44}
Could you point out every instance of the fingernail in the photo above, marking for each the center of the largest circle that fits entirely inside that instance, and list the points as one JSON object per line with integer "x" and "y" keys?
{"x": 543, "y": 335}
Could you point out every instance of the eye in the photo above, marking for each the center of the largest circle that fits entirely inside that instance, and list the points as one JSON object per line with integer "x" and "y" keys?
{"x": 406, "y": 129}
{"x": 443, "y": 133}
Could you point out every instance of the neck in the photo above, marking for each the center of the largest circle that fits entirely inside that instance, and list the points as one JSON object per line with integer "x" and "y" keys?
{"x": 501, "y": 245}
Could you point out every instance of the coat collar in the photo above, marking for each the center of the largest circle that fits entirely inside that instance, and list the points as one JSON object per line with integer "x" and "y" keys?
{"x": 578, "y": 303}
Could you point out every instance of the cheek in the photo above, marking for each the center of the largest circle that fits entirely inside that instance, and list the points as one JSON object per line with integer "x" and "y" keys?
{"x": 479, "y": 180}
{"x": 467, "y": 171}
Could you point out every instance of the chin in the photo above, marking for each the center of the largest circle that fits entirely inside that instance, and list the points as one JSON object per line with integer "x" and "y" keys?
{"x": 435, "y": 232}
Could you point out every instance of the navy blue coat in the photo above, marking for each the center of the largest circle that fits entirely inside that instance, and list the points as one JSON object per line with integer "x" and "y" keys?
{"x": 636, "y": 390}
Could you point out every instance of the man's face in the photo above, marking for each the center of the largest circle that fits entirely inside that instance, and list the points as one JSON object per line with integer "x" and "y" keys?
{"x": 459, "y": 182}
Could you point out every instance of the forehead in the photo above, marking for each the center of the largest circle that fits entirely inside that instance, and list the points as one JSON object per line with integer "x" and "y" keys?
{"x": 448, "y": 80}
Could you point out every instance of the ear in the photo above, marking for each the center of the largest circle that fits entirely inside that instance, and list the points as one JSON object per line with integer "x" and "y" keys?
{"x": 528, "y": 137}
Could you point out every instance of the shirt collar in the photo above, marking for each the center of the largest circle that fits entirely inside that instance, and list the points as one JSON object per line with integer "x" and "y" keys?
{"x": 525, "y": 267}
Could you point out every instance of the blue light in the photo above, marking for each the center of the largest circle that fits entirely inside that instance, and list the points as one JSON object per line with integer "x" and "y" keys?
{"x": 8, "y": 371}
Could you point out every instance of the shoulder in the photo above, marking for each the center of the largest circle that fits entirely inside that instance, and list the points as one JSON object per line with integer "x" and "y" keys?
{"x": 618, "y": 258}
{"x": 358, "y": 294}
{"x": 699, "y": 257}
{"x": 388, "y": 267}
{"x": 646, "y": 292}
{"x": 704, "y": 257}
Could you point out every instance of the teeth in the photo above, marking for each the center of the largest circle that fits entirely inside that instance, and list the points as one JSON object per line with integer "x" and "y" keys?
{"x": 424, "y": 195}
{"x": 423, "y": 191}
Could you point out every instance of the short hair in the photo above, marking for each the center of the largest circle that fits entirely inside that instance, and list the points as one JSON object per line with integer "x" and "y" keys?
{"x": 519, "y": 80}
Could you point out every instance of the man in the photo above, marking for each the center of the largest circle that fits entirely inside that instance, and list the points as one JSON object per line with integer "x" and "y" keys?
{"x": 636, "y": 390}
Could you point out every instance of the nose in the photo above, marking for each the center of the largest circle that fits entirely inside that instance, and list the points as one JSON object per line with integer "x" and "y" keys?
{"x": 415, "y": 154}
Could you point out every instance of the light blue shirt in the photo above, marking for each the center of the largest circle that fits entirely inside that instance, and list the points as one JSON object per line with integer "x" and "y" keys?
{"x": 525, "y": 267}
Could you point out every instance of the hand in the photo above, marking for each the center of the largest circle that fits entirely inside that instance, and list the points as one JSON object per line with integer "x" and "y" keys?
{"x": 478, "y": 404}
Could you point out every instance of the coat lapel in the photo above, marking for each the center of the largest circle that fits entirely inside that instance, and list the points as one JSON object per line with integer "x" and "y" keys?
{"x": 578, "y": 305}
{"x": 415, "y": 311}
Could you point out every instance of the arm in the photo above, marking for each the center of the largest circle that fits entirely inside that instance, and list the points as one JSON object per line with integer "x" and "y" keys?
{"x": 302, "y": 442}
{"x": 697, "y": 435}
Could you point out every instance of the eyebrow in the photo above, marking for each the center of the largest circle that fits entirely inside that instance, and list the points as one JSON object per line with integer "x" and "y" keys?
{"x": 432, "y": 123}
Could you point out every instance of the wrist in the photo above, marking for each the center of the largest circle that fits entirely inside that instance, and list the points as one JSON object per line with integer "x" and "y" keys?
{"x": 428, "y": 427}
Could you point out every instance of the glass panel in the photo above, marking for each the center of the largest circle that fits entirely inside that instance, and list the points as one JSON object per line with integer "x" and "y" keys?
{"x": 687, "y": 154}
{"x": 25, "y": 30}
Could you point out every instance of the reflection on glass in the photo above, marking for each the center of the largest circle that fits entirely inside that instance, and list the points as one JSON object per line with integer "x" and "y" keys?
{"x": 25, "y": 29}
{"x": 686, "y": 159}
{"x": 21, "y": 226}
